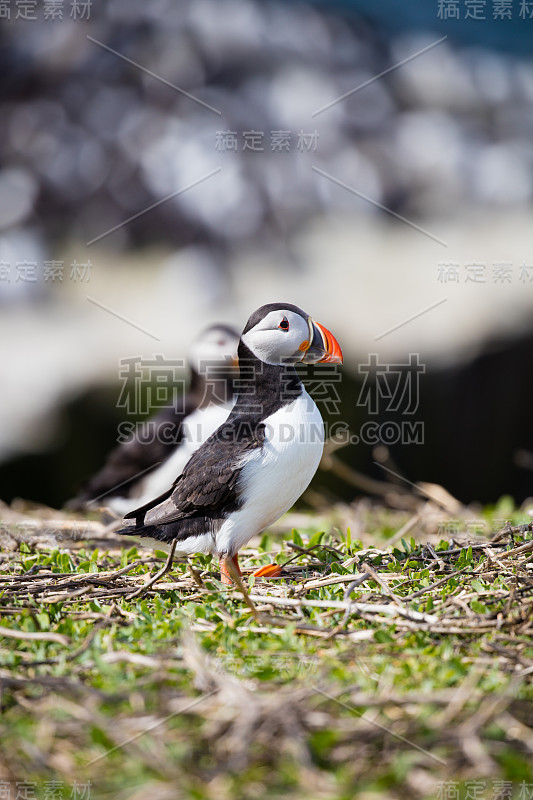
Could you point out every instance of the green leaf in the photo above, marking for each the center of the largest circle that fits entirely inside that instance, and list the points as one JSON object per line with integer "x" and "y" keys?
{"x": 44, "y": 620}
{"x": 382, "y": 636}
{"x": 316, "y": 538}
{"x": 296, "y": 538}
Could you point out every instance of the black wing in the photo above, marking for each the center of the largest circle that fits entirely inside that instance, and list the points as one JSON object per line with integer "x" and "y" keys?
{"x": 208, "y": 485}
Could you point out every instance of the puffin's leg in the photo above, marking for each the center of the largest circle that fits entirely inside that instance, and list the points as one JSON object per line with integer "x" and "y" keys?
{"x": 226, "y": 571}
{"x": 167, "y": 567}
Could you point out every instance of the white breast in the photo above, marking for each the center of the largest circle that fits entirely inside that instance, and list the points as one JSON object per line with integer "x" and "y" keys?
{"x": 275, "y": 476}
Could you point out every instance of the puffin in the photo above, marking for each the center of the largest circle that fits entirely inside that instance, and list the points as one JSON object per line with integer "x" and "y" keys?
{"x": 142, "y": 467}
{"x": 254, "y": 467}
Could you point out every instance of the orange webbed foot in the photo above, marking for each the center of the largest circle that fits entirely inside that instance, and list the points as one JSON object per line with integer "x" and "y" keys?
{"x": 268, "y": 571}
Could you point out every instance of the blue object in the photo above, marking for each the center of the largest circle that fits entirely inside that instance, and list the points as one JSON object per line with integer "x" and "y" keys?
{"x": 512, "y": 35}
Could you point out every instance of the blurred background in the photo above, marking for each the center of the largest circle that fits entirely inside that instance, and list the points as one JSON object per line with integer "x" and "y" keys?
{"x": 166, "y": 165}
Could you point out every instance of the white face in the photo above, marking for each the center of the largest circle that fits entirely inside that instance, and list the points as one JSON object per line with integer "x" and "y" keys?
{"x": 280, "y": 337}
{"x": 214, "y": 347}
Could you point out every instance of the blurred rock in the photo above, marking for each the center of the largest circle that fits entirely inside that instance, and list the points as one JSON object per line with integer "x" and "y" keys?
{"x": 92, "y": 139}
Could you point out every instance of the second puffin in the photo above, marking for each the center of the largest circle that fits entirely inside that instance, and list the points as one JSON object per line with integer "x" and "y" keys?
{"x": 257, "y": 463}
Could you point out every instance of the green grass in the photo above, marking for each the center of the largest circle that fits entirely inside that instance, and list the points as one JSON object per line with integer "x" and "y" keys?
{"x": 186, "y": 693}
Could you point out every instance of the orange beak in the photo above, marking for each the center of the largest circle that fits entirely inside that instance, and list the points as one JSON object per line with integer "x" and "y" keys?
{"x": 323, "y": 348}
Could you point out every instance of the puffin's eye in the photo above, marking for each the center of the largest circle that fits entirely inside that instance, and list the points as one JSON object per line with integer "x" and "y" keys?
{"x": 284, "y": 324}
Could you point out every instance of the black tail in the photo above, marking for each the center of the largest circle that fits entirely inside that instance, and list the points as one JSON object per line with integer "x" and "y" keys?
{"x": 162, "y": 533}
{"x": 141, "y": 530}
